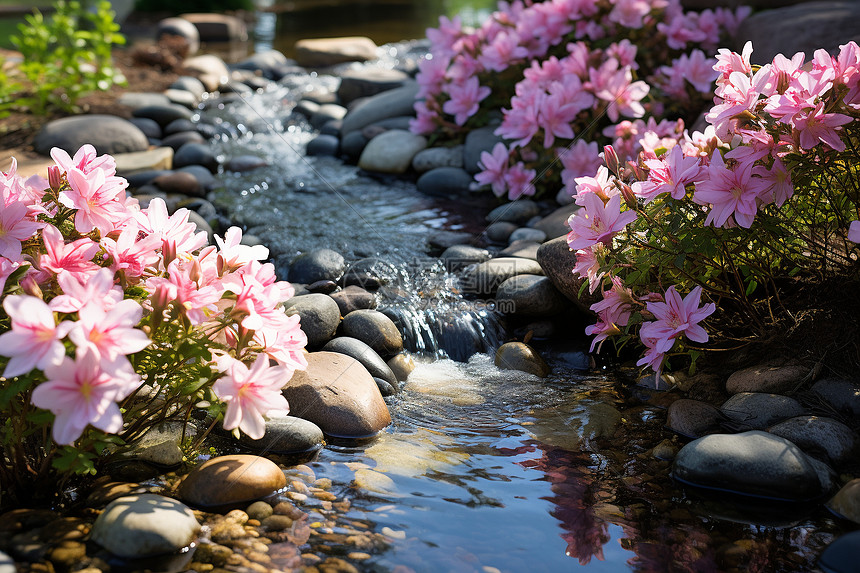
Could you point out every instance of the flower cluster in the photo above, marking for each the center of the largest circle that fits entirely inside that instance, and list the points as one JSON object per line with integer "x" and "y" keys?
{"x": 561, "y": 71}
{"x": 101, "y": 297}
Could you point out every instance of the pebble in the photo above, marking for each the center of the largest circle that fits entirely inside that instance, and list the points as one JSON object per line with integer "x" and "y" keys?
{"x": 323, "y": 52}
{"x": 527, "y": 234}
{"x": 391, "y": 103}
{"x": 444, "y": 181}
{"x": 233, "y": 479}
{"x": 195, "y": 154}
{"x": 434, "y": 157}
{"x": 518, "y": 212}
{"x": 555, "y": 224}
{"x": 841, "y": 555}
{"x": 317, "y": 265}
{"x": 692, "y": 418}
{"x": 323, "y": 145}
{"x": 485, "y": 278}
{"x": 366, "y": 82}
{"x": 364, "y": 354}
{"x": 353, "y": 298}
{"x": 394, "y": 534}
{"x": 521, "y": 249}
{"x": 402, "y": 366}
{"x": 370, "y": 273}
{"x": 458, "y": 257}
{"x": 286, "y": 435}
{"x": 843, "y": 395}
{"x": 500, "y": 231}
{"x": 259, "y": 510}
{"x": 107, "y": 133}
{"x": 530, "y": 296}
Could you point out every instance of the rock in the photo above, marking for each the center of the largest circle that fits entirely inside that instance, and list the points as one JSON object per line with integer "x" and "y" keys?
{"x": 385, "y": 388}
{"x": 756, "y": 411}
{"x": 322, "y": 287}
{"x": 521, "y": 249}
{"x": 445, "y": 239}
{"x": 231, "y": 480}
{"x": 286, "y": 435}
{"x": 177, "y": 140}
{"x": 500, "y": 231}
{"x": 764, "y": 378}
{"x": 801, "y": 28}
{"x": 457, "y": 257}
{"x": 139, "y": 100}
{"x": 159, "y": 446}
{"x": 555, "y": 224}
{"x": 145, "y": 525}
{"x": 391, "y": 152}
{"x": 402, "y": 366}
{"x": 323, "y": 145}
{"x": 202, "y": 225}
{"x": 522, "y": 357}
{"x": 824, "y": 438}
{"x": 526, "y": 234}
{"x": 846, "y": 502}
{"x": 434, "y": 157}
{"x": 318, "y": 265}
{"x": 181, "y": 97}
{"x": 179, "y": 182}
{"x": 843, "y": 395}
{"x": 7, "y": 564}
{"x": 218, "y": 27}
{"x": 326, "y": 113}
{"x": 182, "y": 28}
{"x": 269, "y": 63}
{"x": 319, "y": 314}
{"x": 243, "y": 163}
{"x": 202, "y": 174}
{"x": 190, "y": 84}
{"x": 149, "y": 127}
{"x": 353, "y": 298}
{"x": 180, "y": 125}
{"x": 339, "y": 395}
{"x": 259, "y": 510}
{"x": 370, "y": 273}
{"x": 366, "y": 355}
{"x": 367, "y": 82}
{"x": 751, "y": 463}
{"x": 209, "y": 69}
{"x": 529, "y": 296}
{"x": 163, "y": 114}
{"x": 518, "y": 212}
{"x": 692, "y": 418}
{"x": 443, "y": 181}
{"x": 306, "y": 108}
{"x": 557, "y": 261}
{"x": 841, "y": 555}
{"x": 374, "y": 329}
{"x": 195, "y": 154}
{"x": 107, "y": 133}
{"x": 322, "y": 52}
{"x": 485, "y": 278}
{"x": 388, "y": 104}
{"x": 158, "y": 159}
{"x": 478, "y": 141}
{"x": 352, "y": 144}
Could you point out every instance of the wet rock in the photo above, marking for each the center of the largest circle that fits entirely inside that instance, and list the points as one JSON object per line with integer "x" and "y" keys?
{"x": 337, "y": 394}
{"x": 366, "y": 355}
{"x": 802, "y": 28}
{"x": 322, "y": 287}
{"x": 182, "y": 28}
{"x": 243, "y": 163}
{"x": 259, "y": 510}
{"x": 179, "y": 182}
{"x": 179, "y": 125}
{"x": 751, "y": 463}
{"x": 841, "y": 555}
{"x": 209, "y": 69}
{"x": 444, "y": 239}
{"x": 444, "y": 182}
{"x": 190, "y": 84}
{"x": 352, "y": 144}
{"x": 202, "y": 225}
{"x": 137, "y": 100}
{"x": 527, "y": 234}
{"x": 163, "y": 114}
{"x": 229, "y": 480}
{"x": 214, "y": 27}
{"x": 159, "y": 446}
{"x": 457, "y": 257}
{"x": 149, "y": 127}
{"x": 824, "y": 438}
{"x": 557, "y": 261}
{"x": 319, "y": 314}
{"x": 391, "y": 152}
{"x": 323, "y": 145}
{"x": 374, "y": 329}
{"x": 478, "y": 141}
{"x": 202, "y": 174}
{"x": 529, "y": 295}
{"x": 182, "y": 97}
{"x": 322, "y": 52}
{"x": 518, "y": 212}
{"x": 107, "y": 133}
{"x": 374, "y": 481}
{"x": 843, "y": 395}
{"x": 206, "y": 210}
{"x": 367, "y": 82}
{"x": 195, "y": 154}
{"x": 326, "y": 113}
{"x": 268, "y": 63}
{"x": 521, "y": 249}
{"x": 177, "y": 140}
{"x": 106, "y": 492}
{"x": 757, "y": 411}
{"x": 522, "y": 357}
{"x": 846, "y": 502}
{"x": 145, "y": 525}
{"x": 555, "y": 224}
{"x": 353, "y": 298}
{"x": 434, "y": 157}
{"x": 317, "y": 265}
{"x": 370, "y": 273}
{"x": 402, "y": 366}
{"x": 385, "y": 387}
{"x": 286, "y": 435}
{"x": 388, "y": 104}
{"x": 485, "y": 278}
{"x": 500, "y": 231}
{"x": 764, "y": 378}
{"x": 692, "y": 418}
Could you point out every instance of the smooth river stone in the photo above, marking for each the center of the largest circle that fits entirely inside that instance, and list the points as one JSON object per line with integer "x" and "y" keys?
{"x": 391, "y": 152}
{"x": 229, "y": 480}
{"x": 530, "y": 295}
{"x": 286, "y": 435}
{"x": 319, "y": 315}
{"x": 820, "y": 437}
{"x": 846, "y": 502}
{"x": 364, "y": 354}
{"x": 757, "y": 411}
{"x": 485, "y": 278}
{"x": 374, "y": 329}
{"x": 522, "y": 357}
{"x": 763, "y": 378}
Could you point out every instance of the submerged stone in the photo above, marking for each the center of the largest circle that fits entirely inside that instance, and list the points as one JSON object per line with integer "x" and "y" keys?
{"x": 522, "y": 357}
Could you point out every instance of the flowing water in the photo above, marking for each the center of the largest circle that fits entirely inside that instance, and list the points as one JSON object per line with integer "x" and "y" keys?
{"x": 484, "y": 470}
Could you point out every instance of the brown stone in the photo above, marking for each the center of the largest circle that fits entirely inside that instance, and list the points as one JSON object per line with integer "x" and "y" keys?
{"x": 692, "y": 418}
{"x": 321, "y": 52}
{"x": 764, "y": 378}
{"x": 228, "y": 480}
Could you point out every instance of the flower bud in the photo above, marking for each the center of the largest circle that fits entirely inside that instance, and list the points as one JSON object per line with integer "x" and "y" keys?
{"x": 610, "y": 157}
{"x": 30, "y": 286}
{"x": 55, "y": 178}
{"x": 628, "y": 195}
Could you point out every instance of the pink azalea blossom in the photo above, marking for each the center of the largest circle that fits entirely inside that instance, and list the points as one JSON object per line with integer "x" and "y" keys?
{"x": 780, "y": 188}
{"x": 285, "y": 345}
{"x": 35, "y": 339}
{"x": 110, "y": 334}
{"x": 816, "y": 126}
{"x": 465, "y": 99}
{"x": 494, "y": 167}
{"x": 234, "y": 253}
{"x": 652, "y": 358}
{"x": 75, "y": 257}
{"x": 588, "y": 266}
{"x": 97, "y": 200}
{"x": 581, "y": 160}
{"x": 630, "y": 13}
{"x": 175, "y": 232}
{"x": 597, "y": 222}
{"x": 86, "y": 160}
{"x": 15, "y": 227}
{"x": 195, "y": 300}
{"x": 519, "y": 181}
{"x": 79, "y": 392}
{"x": 613, "y": 311}
{"x": 7, "y": 267}
{"x": 676, "y": 317}
{"x": 502, "y": 52}
{"x": 730, "y": 192}
{"x": 425, "y": 119}
{"x": 130, "y": 255}
{"x": 251, "y": 394}
{"x": 670, "y": 174}
{"x": 98, "y": 289}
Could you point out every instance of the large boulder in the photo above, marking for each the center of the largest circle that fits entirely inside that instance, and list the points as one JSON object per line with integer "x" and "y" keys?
{"x": 107, "y": 133}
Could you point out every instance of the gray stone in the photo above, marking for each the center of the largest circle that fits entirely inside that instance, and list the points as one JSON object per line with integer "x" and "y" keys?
{"x": 317, "y": 265}
{"x": 555, "y": 224}
{"x": 182, "y": 97}
{"x": 391, "y": 152}
{"x": 529, "y": 296}
{"x": 841, "y": 555}
{"x": 178, "y": 126}
{"x": 521, "y": 249}
{"x": 322, "y": 52}
{"x": 485, "y": 278}
{"x": 365, "y": 82}
{"x": 402, "y": 365}
{"x": 195, "y": 154}
{"x": 319, "y": 314}
{"x": 434, "y": 157}
{"x": 370, "y": 273}
{"x": 824, "y": 438}
{"x": 202, "y": 225}
{"x": 327, "y": 113}
{"x": 401, "y": 122}
{"x": 177, "y": 140}
{"x": 802, "y": 28}
{"x": 843, "y": 395}
{"x": 756, "y": 411}
{"x": 107, "y": 133}
{"x": 202, "y": 174}
{"x": 478, "y": 141}
{"x": 500, "y": 231}
{"x": 149, "y": 127}
{"x": 231, "y": 480}
{"x": 140, "y": 179}
{"x": 145, "y": 525}
{"x": 353, "y": 298}
{"x": 518, "y": 211}
{"x": 138, "y": 100}
{"x": 557, "y": 261}
{"x": 7, "y": 564}
{"x": 190, "y": 84}
{"x": 179, "y": 182}
{"x": 243, "y": 163}
{"x": 207, "y": 210}
{"x": 323, "y": 145}
{"x": 388, "y": 104}
{"x": 374, "y": 329}
{"x": 445, "y": 239}
{"x": 209, "y": 69}
{"x": 268, "y": 63}
{"x": 182, "y": 28}
{"x": 352, "y": 144}
{"x": 692, "y": 418}
{"x": 764, "y": 378}
{"x": 527, "y": 234}
{"x": 306, "y": 108}
{"x": 159, "y": 446}
{"x": 364, "y": 354}
{"x": 286, "y": 435}
{"x": 214, "y": 27}
{"x": 163, "y": 114}
{"x": 339, "y": 395}
{"x": 457, "y": 257}
{"x": 444, "y": 181}
{"x": 522, "y": 357}
{"x": 751, "y": 463}
{"x": 846, "y": 502}
{"x": 385, "y": 388}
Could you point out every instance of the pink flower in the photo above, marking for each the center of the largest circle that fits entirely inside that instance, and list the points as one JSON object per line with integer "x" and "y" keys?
{"x": 816, "y": 126}
{"x": 234, "y": 253}
{"x": 79, "y": 392}
{"x": 780, "y": 188}
{"x": 431, "y": 75}
{"x": 519, "y": 181}
{"x": 652, "y": 357}
{"x": 195, "y": 300}
{"x": 15, "y": 227}
{"x": 34, "y": 340}
{"x": 613, "y": 311}
{"x": 7, "y": 267}
{"x": 503, "y": 51}
{"x": 629, "y": 13}
{"x": 97, "y": 200}
{"x": 175, "y": 232}
{"x": 425, "y": 119}
{"x": 98, "y": 290}
{"x": 597, "y": 222}
{"x": 494, "y": 166}
{"x": 622, "y": 94}
{"x": 251, "y": 394}
{"x": 588, "y": 265}
{"x": 578, "y": 161}
{"x": 285, "y": 345}
{"x": 86, "y": 159}
{"x": 676, "y": 317}
{"x": 730, "y": 192}
{"x": 110, "y": 334}
{"x": 670, "y": 174}
{"x": 465, "y": 98}
{"x": 130, "y": 255}
{"x": 75, "y": 257}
